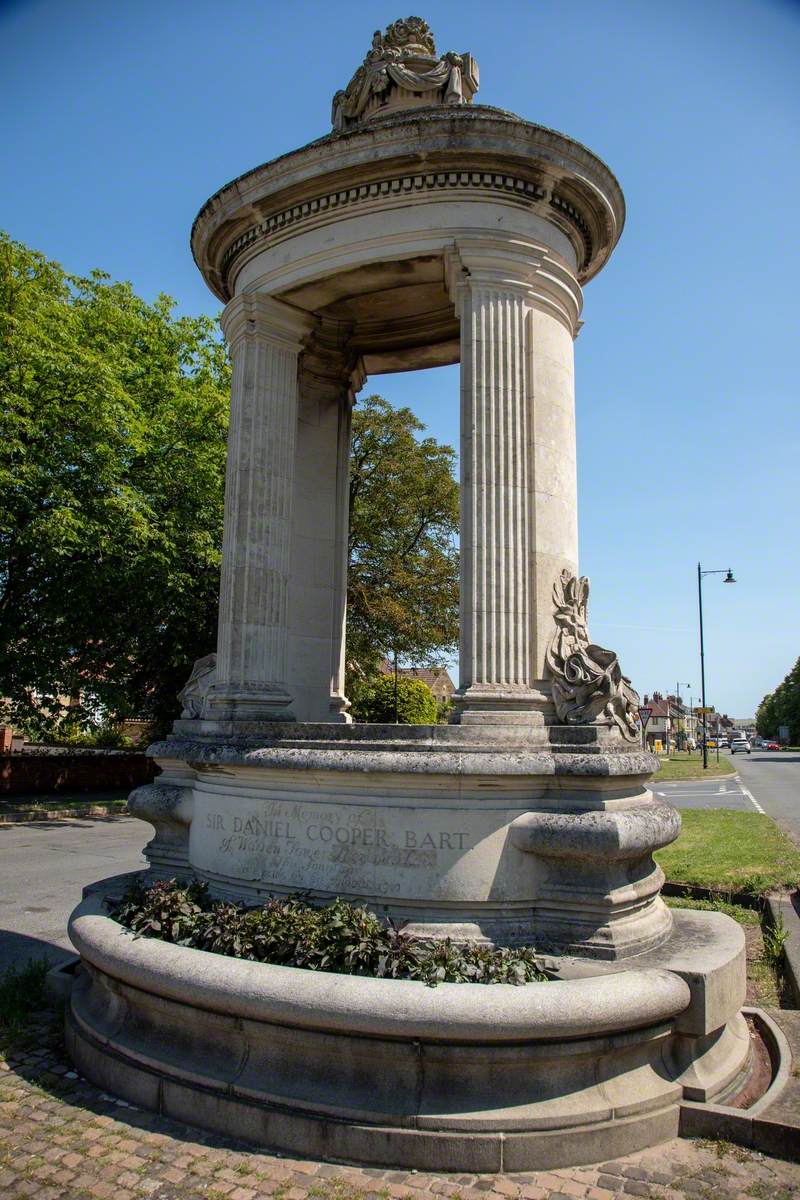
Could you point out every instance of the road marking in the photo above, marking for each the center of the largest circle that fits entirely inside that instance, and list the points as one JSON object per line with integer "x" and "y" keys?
{"x": 681, "y": 794}
{"x": 751, "y": 798}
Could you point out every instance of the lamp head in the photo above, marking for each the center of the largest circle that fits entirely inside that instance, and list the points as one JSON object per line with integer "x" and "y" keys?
{"x": 729, "y": 577}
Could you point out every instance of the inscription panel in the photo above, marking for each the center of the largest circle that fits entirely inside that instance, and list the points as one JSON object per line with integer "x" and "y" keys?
{"x": 393, "y": 852}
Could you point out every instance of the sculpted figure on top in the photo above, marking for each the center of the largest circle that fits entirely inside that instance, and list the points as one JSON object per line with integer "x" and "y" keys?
{"x": 402, "y": 70}
{"x": 588, "y": 685}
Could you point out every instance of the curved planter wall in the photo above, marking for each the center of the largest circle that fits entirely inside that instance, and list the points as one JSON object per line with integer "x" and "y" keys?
{"x": 460, "y": 1077}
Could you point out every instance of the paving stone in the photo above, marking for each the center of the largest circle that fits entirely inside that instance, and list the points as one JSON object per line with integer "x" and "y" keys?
{"x": 82, "y": 1147}
{"x": 637, "y": 1187}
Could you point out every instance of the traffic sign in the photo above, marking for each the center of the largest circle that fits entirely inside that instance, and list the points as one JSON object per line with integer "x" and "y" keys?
{"x": 645, "y": 713}
{"x": 704, "y": 710}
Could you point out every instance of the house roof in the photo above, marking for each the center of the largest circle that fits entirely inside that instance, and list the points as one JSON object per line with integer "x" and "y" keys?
{"x": 430, "y": 675}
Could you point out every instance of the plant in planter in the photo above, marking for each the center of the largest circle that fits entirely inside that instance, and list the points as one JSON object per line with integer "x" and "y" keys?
{"x": 339, "y": 937}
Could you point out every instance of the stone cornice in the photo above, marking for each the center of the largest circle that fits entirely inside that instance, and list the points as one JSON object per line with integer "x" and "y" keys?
{"x": 467, "y": 153}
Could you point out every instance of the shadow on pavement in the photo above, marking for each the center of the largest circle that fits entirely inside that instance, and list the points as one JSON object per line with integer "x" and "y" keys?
{"x": 777, "y": 758}
{"x": 17, "y": 949}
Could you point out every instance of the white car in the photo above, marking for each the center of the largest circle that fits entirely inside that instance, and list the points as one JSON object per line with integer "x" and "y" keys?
{"x": 740, "y": 746}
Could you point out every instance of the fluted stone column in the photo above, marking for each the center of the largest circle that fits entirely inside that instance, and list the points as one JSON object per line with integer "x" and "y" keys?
{"x": 329, "y": 378}
{"x": 265, "y": 338}
{"x": 518, "y": 489}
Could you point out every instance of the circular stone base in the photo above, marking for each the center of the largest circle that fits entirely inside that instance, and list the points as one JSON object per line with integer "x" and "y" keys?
{"x": 462, "y": 1077}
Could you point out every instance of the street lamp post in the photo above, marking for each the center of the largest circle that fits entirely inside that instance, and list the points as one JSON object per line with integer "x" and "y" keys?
{"x": 700, "y": 576}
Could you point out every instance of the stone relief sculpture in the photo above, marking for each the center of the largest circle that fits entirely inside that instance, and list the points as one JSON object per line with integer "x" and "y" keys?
{"x": 196, "y": 688}
{"x": 401, "y": 69}
{"x": 588, "y": 684}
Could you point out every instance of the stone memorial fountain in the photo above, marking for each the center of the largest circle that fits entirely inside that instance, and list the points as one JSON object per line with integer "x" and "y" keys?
{"x": 423, "y": 230}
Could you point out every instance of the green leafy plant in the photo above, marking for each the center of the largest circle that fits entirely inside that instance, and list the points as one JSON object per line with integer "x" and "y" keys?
{"x": 21, "y": 993}
{"x": 774, "y": 941}
{"x": 340, "y": 937}
{"x": 416, "y": 703}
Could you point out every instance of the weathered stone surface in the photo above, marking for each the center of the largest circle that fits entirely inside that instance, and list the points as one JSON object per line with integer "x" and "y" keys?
{"x": 430, "y": 829}
{"x": 707, "y": 950}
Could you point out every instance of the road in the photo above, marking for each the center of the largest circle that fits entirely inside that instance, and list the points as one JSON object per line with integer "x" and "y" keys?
{"x": 43, "y": 868}
{"x": 769, "y": 782}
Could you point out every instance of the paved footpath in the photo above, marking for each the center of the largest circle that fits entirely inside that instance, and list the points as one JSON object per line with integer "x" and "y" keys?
{"x": 62, "y": 1138}
{"x": 44, "y": 867}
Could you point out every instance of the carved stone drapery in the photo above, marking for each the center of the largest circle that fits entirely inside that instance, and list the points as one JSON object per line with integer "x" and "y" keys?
{"x": 588, "y": 685}
{"x": 402, "y": 69}
{"x": 194, "y": 692}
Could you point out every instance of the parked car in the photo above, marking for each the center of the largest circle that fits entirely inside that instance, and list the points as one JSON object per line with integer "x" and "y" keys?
{"x": 740, "y": 746}
{"x": 772, "y": 746}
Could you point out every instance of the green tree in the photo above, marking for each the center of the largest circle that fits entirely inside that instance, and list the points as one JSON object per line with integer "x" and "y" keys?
{"x": 782, "y": 707}
{"x": 403, "y": 574}
{"x": 112, "y": 460}
{"x": 766, "y": 722}
{"x": 416, "y": 703}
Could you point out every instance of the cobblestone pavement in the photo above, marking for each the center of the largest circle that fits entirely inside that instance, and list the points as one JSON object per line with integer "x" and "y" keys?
{"x": 61, "y": 1137}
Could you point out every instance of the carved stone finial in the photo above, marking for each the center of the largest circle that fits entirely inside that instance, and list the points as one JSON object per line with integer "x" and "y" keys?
{"x": 588, "y": 685}
{"x": 402, "y": 70}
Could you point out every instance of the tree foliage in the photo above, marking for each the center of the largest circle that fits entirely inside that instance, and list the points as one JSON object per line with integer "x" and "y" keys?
{"x": 416, "y": 703}
{"x": 403, "y": 573}
{"x": 112, "y": 462}
{"x": 782, "y": 707}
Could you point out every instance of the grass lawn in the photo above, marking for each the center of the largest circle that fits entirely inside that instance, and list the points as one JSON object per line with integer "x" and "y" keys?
{"x": 21, "y": 993}
{"x": 731, "y": 852}
{"x": 681, "y": 765}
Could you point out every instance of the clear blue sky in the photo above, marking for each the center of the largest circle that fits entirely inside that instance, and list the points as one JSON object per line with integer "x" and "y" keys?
{"x": 122, "y": 118}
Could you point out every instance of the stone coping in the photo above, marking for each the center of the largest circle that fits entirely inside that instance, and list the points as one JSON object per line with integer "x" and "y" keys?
{"x": 564, "y": 739}
{"x": 400, "y": 1009}
{"x": 398, "y": 758}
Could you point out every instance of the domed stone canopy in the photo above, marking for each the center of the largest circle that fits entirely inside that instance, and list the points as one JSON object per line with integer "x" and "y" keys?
{"x": 465, "y": 152}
